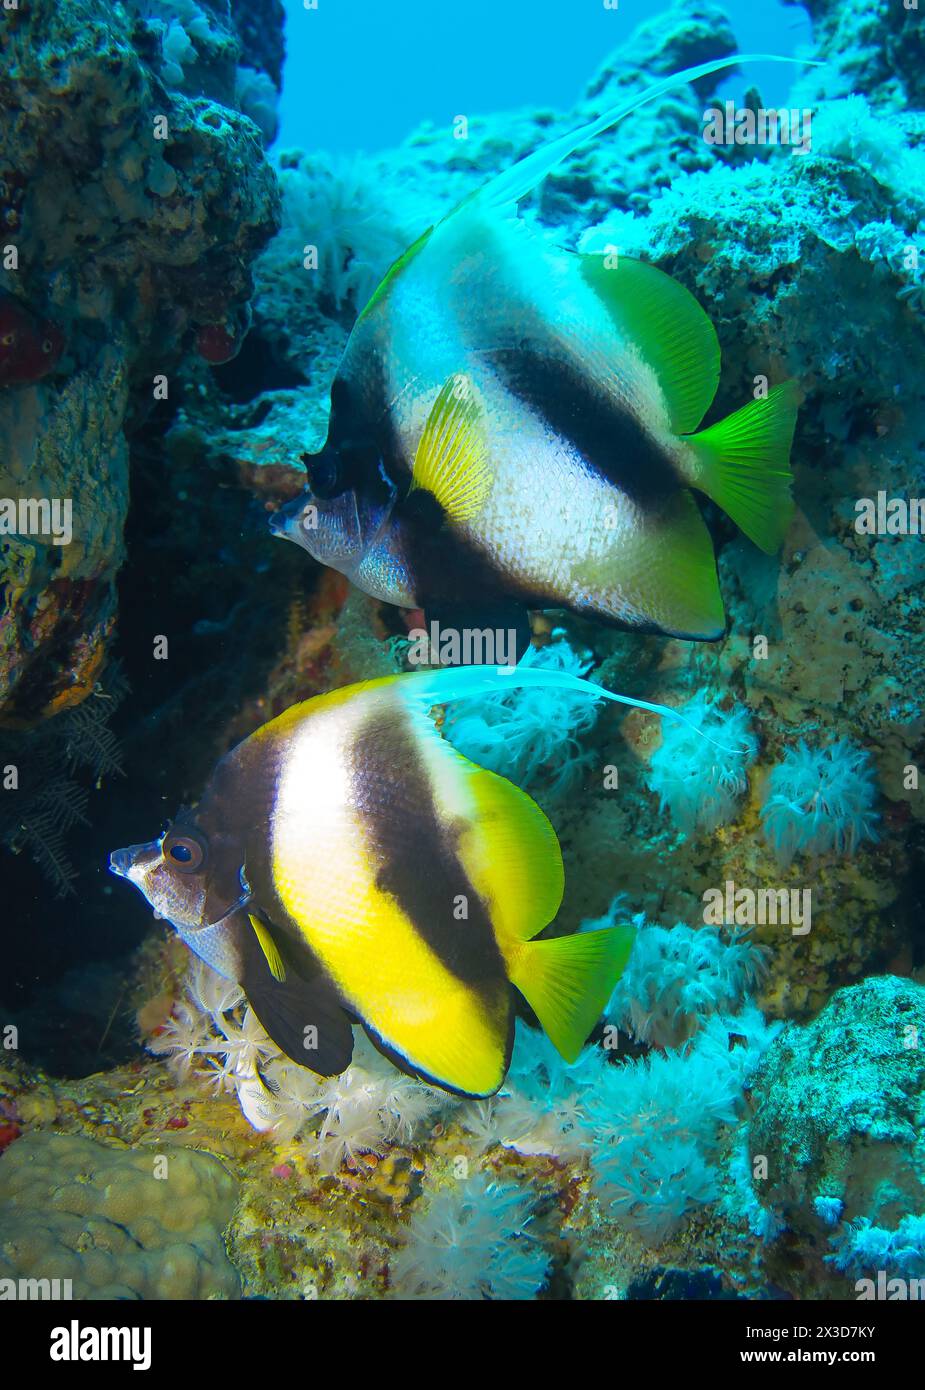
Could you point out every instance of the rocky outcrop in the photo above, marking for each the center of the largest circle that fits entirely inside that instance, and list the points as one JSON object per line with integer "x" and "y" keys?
{"x": 131, "y": 214}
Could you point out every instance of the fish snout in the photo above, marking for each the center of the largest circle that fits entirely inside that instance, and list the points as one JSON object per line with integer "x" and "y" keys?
{"x": 125, "y": 862}
{"x": 120, "y": 861}
{"x": 285, "y": 522}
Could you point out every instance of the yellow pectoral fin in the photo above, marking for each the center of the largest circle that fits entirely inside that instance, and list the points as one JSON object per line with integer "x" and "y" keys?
{"x": 269, "y": 948}
{"x": 451, "y": 461}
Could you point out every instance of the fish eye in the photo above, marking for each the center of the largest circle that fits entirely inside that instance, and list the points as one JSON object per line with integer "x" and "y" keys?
{"x": 324, "y": 475}
{"x": 8, "y": 339}
{"x": 183, "y": 852}
{"x": 48, "y": 347}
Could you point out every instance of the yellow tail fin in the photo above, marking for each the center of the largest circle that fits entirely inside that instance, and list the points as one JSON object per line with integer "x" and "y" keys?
{"x": 568, "y": 980}
{"x": 744, "y": 465}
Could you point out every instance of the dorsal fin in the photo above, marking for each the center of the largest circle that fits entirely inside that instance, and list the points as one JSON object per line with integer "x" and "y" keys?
{"x": 668, "y": 327}
{"x": 394, "y": 270}
{"x": 422, "y": 690}
{"x": 502, "y": 192}
{"x": 515, "y": 183}
{"x": 511, "y": 853}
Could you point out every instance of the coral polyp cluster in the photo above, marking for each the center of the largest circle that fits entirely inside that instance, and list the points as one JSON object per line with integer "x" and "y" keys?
{"x": 533, "y": 736}
{"x": 472, "y": 1240}
{"x": 678, "y": 976}
{"x": 212, "y": 1034}
{"x": 820, "y": 800}
{"x": 701, "y": 780}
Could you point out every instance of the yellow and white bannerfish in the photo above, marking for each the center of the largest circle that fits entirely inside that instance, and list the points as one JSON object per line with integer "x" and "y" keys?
{"x": 513, "y": 422}
{"x": 346, "y": 863}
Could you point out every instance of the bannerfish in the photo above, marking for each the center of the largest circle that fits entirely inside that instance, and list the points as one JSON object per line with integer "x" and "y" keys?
{"x": 346, "y": 863}
{"x": 514, "y": 421}
{"x": 30, "y": 346}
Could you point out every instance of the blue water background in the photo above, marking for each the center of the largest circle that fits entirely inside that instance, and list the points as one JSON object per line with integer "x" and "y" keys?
{"x": 361, "y": 74}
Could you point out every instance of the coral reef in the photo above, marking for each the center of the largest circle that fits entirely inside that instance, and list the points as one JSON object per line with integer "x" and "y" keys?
{"x": 869, "y": 48}
{"x": 132, "y": 214}
{"x": 838, "y": 1119}
{"x": 699, "y": 1145}
{"x": 116, "y": 1223}
{"x": 47, "y": 762}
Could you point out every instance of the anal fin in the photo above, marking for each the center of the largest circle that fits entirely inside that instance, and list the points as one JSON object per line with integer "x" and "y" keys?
{"x": 662, "y": 572}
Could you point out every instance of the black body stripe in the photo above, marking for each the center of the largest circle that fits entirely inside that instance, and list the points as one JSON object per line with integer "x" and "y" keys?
{"x": 418, "y": 864}
{"x": 611, "y": 440}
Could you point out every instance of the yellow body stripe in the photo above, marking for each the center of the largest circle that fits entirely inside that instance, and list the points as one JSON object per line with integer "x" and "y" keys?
{"x": 386, "y": 972}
